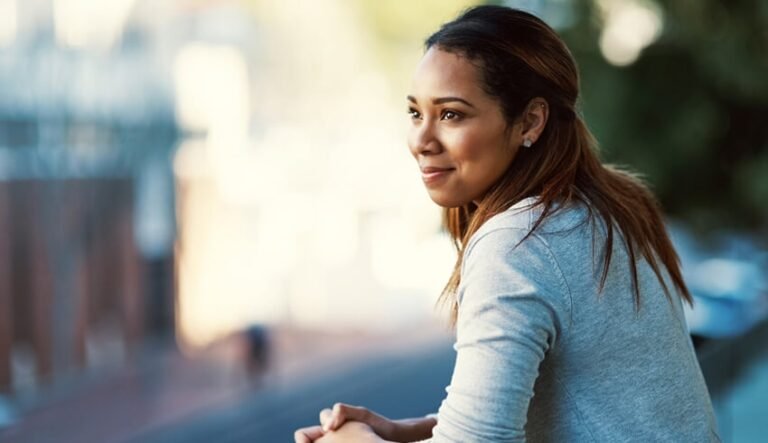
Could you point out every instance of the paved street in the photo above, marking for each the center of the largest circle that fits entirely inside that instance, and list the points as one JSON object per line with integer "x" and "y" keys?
{"x": 167, "y": 396}
{"x": 400, "y": 384}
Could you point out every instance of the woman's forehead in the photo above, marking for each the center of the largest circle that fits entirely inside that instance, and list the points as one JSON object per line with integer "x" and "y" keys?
{"x": 443, "y": 73}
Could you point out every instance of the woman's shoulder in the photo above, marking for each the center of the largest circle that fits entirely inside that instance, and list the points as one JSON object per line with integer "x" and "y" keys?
{"x": 501, "y": 254}
{"x": 510, "y": 234}
{"x": 557, "y": 244}
{"x": 523, "y": 216}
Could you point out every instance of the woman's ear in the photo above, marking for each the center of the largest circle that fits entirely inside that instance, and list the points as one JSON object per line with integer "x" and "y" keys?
{"x": 534, "y": 120}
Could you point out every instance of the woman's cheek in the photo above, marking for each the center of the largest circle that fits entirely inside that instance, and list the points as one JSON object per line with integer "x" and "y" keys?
{"x": 466, "y": 148}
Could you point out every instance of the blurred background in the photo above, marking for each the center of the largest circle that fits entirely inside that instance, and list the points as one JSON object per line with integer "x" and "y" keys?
{"x": 211, "y": 227}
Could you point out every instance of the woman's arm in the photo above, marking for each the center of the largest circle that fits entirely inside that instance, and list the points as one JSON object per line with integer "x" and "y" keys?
{"x": 414, "y": 429}
{"x": 512, "y": 300}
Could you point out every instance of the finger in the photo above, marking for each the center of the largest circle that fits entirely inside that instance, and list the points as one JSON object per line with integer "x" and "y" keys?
{"x": 337, "y": 417}
{"x": 300, "y": 437}
{"x": 342, "y": 413}
{"x": 349, "y": 412}
{"x": 325, "y": 419}
{"x": 308, "y": 435}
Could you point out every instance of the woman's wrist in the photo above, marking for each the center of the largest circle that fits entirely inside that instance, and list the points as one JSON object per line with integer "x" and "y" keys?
{"x": 412, "y": 429}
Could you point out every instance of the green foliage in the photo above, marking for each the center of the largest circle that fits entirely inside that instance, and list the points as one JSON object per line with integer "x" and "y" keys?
{"x": 691, "y": 114}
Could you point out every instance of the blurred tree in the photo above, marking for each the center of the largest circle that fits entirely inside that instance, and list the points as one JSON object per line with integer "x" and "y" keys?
{"x": 691, "y": 113}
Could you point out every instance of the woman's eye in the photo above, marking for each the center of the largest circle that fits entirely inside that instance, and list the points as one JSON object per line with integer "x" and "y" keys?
{"x": 450, "y": 115}
{"x": 413, "y": 113}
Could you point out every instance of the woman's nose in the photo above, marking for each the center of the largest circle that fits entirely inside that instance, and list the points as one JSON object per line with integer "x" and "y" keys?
{"x": 422, "y": 139}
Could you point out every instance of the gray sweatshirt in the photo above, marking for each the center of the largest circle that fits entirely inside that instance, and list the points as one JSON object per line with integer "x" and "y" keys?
{"x": 543, "y": 357}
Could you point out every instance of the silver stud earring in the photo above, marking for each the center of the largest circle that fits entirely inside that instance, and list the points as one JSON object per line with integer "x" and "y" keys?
{"x": 527, "y": 143}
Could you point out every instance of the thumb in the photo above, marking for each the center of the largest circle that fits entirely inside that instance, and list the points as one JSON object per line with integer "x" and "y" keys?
{"x": 326, "y": 416}
{"x": 342, "y": 413}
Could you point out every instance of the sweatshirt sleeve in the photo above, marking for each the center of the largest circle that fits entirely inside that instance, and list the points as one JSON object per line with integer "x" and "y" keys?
{"x": 512, "y": 299}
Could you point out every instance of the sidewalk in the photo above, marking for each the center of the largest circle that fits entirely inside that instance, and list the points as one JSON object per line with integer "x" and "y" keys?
{"x": 164, "y": 386}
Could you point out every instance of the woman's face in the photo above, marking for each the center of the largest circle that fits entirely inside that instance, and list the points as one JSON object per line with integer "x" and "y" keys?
{"x": 458, "y": 133}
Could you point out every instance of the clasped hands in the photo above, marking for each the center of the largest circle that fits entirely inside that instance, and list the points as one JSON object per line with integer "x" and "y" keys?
{"x": 355, "y": 424}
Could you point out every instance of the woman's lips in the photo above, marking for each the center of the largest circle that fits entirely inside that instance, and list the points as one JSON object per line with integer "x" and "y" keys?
{"x": 432, "y": 174}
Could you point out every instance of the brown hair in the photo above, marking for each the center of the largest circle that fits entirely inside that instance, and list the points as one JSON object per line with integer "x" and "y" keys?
{"x": 521, "y": 58}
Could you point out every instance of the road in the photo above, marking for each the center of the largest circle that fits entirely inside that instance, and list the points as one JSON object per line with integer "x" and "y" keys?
{"x": 399, "y": 384}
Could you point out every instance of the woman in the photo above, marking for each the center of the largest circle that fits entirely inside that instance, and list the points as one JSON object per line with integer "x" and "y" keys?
{"x": 567, "y": 294}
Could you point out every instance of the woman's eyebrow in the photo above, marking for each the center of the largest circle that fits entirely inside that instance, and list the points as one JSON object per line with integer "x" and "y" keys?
{"x": 442, "y": 100}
